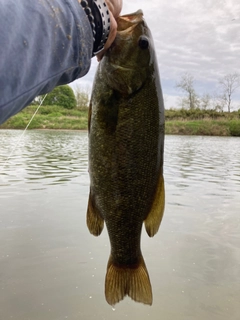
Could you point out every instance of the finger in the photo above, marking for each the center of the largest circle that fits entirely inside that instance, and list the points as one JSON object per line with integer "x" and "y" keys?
{"x": 111, "y": 37}
{"x": 115, "y": 6}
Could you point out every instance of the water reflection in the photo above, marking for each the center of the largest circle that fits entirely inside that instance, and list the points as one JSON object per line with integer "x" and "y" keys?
{"x": 42, "y": 157}
{"x": 52, "y": 268}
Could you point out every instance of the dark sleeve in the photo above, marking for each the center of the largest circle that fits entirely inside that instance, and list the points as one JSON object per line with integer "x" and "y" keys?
{"x": 43, "y": 43}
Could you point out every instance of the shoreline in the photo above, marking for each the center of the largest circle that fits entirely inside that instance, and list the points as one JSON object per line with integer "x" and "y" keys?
{"x": 190, "y": 128}
{"x": 177, "y": 122}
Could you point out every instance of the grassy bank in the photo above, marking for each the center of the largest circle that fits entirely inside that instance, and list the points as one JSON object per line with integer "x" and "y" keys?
{"x": 49, "y": 117}
{"x": 202, "y": 122}
{"x": 204, "y": 127}
{"x": 183, "y": 122}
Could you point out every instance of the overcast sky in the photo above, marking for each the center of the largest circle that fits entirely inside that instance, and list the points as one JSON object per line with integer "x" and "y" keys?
{"x": 201, "y": 37}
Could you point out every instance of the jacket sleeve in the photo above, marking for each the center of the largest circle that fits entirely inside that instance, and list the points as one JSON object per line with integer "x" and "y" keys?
{"x": 43, "y": 43}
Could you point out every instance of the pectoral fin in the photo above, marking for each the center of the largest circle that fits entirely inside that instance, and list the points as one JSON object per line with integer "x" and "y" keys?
{"x": 95, "y": 222}
{"x": 155, "y": 215}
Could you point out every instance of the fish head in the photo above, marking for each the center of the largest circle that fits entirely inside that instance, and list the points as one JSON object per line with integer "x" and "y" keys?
{"x": 129, "y": 61}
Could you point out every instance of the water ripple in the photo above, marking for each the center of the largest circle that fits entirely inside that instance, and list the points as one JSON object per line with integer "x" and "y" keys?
{"x": 42, "y": 157}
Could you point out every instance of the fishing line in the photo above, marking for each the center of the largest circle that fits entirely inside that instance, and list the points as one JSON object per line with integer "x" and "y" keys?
{"x": 17, "y": 143}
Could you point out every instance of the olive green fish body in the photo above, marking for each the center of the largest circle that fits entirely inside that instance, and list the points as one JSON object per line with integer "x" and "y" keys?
{"x": 126, "y": 141}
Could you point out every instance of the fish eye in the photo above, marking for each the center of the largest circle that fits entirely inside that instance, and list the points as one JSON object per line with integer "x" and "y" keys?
{"x": 143, "y": 42}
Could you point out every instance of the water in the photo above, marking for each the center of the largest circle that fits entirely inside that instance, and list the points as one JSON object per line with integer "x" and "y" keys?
{"x": 51, "y": 267}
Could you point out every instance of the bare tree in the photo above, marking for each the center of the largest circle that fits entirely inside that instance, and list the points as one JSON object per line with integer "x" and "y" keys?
{"x": 82, "y": 96}
{"x": 228, "y": 85}
{"x": 217, "y": 102}
{"x": 205, "y": 101}
{"x": 186, "y": 84}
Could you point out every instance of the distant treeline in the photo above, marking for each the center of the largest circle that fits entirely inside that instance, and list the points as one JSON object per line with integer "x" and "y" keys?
{"x": 227, "y": 87}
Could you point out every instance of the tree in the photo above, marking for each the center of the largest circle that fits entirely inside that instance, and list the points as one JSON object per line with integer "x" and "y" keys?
{"x": 228, "y": 85}
{"x": 205, "y": 101}
{"x": 186, "y": 85}
{"x": 61, "y": 96}
{"x": 82, "y": 96}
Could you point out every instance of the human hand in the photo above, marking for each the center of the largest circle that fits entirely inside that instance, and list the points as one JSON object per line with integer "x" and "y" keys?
{"x": 114, "y": 7}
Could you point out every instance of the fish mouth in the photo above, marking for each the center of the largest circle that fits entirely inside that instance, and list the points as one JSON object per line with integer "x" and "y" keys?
{"x": 129, "y": 20}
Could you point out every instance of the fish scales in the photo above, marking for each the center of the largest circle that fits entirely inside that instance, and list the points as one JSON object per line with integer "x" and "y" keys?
{"x": 126, "y": 139}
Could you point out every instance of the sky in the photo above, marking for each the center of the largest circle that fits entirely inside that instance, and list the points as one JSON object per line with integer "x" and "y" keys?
{"x": 198, "y": 37}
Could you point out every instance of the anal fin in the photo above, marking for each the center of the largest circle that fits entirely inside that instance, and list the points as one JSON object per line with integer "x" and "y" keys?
{"x": 95, "y": 222}
{"x": 155, "y": 215}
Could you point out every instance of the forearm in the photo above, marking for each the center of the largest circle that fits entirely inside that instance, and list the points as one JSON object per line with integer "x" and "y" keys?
{"x": 42, "y": 44}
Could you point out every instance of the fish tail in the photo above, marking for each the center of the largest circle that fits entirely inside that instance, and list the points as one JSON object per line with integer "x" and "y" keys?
{"x": 123, "y": 281}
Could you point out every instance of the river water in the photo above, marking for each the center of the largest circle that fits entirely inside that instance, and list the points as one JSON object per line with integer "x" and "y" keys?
{"x": 51, "y": 268}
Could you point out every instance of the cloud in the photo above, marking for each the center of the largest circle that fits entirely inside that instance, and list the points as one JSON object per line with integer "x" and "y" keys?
{"x": 194, "y": 36}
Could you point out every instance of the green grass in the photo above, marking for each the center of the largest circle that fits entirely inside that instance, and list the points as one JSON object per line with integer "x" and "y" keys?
{"x": 199, "y": 127}
{"x": 202, "y": 122}
{"x": 49, "y": 117}
{"x": 181, "y": 121}
{"x": 234, "y": 128}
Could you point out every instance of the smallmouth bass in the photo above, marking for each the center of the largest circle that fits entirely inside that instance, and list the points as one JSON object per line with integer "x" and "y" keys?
{"x": 126, "y": 145}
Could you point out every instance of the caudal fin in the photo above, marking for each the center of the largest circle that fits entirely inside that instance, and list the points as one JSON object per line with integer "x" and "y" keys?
{"x": 133, "y": 282}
